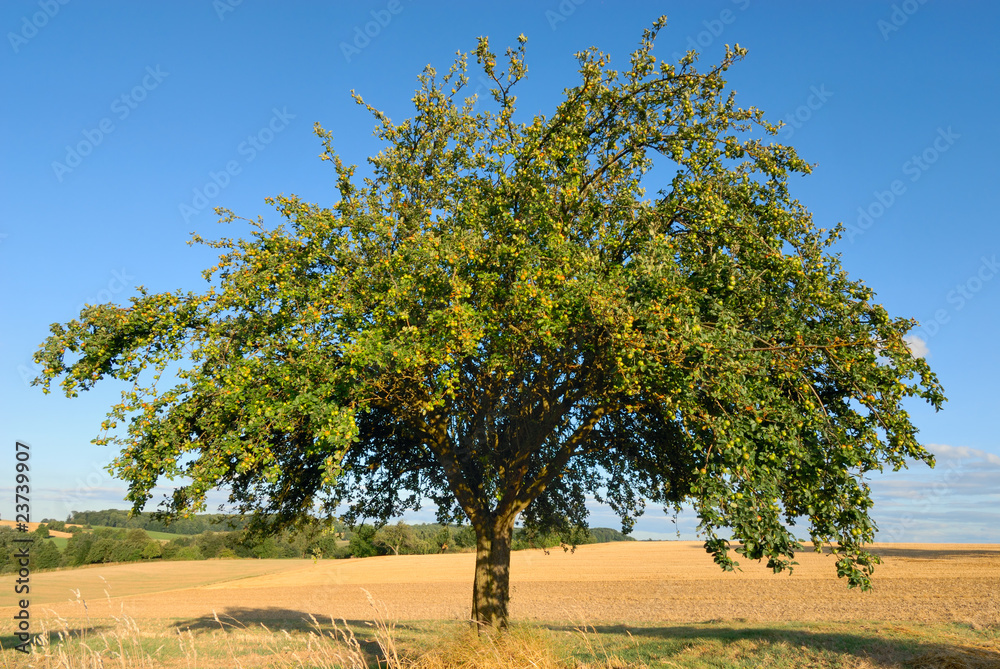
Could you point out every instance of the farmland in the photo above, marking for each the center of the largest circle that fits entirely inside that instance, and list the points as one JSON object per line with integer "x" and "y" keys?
{"x": 673, "y": 586}
{"x": 34, "y": 526}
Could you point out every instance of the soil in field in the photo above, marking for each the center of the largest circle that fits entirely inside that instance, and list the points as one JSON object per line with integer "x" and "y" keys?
{"x": 623, "y": 582}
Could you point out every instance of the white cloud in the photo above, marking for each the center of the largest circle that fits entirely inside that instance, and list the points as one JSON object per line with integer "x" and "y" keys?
{"x": 945, "y": 451}
{"x": 956, "y": 501}
{"x": 918, "y": 347}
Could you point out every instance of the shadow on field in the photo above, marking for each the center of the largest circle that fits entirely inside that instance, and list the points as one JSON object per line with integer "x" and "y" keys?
{"x": 275, "y": 618}
{"x": 9, "y": 641}
{"x": 873, "y": 647}
{"x": 291, "y": 620}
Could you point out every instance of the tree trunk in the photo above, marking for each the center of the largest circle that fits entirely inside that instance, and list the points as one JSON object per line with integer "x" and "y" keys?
{"x": 491, "y": 588}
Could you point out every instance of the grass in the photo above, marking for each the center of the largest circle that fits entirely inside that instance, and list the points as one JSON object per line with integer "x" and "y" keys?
{"x": 742, "y": 644}
{"x": 166, "y": 536}
{"x": 219, "y": 641}
{"x": 153, "y": 534}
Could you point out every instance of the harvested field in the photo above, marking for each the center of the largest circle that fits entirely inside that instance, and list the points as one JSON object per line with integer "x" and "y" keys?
{"x": 124, "y": 581}
{"x": 34, "y": 526}
{"x": 622, "y": 582}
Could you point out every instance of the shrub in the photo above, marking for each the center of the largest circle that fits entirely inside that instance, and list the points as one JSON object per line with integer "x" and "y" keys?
{"x": 188, "y": 553}
{"x": 465, "y": 537}
{"x": 152, "y": 551}
{"x": 211, "y": 544}
{"x": 102, "y": 550}
{"x": 45, "y": 555}
{"x": 363, "y": 542}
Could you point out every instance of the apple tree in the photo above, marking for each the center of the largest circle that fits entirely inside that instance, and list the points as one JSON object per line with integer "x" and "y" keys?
{"x": 512, "y": 314}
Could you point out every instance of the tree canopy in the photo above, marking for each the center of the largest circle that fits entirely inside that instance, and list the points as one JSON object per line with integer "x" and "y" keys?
{"x": 502, "y": 321}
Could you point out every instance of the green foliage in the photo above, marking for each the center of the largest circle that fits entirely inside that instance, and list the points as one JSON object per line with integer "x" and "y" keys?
{"x": 137, "y": 537}
{"x": 211, "y": 544}
{"x": 77, "y": 548}
{"x": 152, "y": 551}
{"x": 326, "y": 545}
{"x": 108, "y": 545}
{"x": 173, "y": 547}
{"x": 501, "y": 320}
{"x": 188, "y": 553}
{"x": 398, "y": 538}
{"x": 45, "y": 555}
{"x": 602, "y": 535}
{"x": 206, "y": 522}
{"x": 465, "y": 537}
{"x": 362, "y": 543}
{"x": 443, "y": 540}
{"x": 272, "y": 547}
{"x": 103, "y": 550}
{"x": 530, "y": 537}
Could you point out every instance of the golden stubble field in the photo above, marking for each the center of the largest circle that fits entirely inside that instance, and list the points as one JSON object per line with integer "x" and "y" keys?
{"x": 34, "y": 526}
{"x": 622, "y": 582}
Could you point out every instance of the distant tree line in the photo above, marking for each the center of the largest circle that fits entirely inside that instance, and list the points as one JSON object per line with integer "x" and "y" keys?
{"x": 94, "y": 543}
{"x": 207, "y": 522}
{"x": 43, "y": 554}
{"x": 403, "y": 539}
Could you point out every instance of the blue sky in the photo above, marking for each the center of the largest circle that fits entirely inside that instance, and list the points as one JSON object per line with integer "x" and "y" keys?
{"x": 123, "y": 125}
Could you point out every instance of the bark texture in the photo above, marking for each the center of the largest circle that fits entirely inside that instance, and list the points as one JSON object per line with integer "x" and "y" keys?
{"x": 491, "y": 588}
